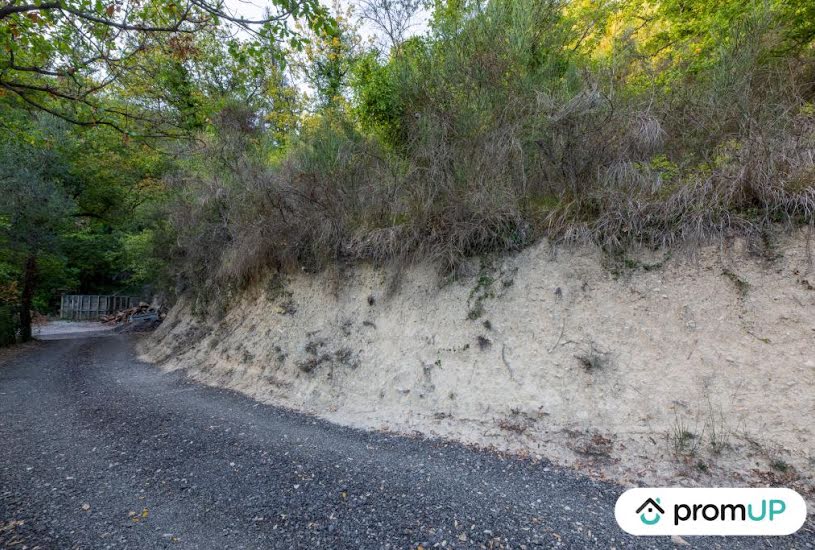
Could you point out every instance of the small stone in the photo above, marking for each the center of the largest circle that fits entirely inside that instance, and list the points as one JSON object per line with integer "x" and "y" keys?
{"x": 676, "y": 539}
{"x": 86, "y": 506}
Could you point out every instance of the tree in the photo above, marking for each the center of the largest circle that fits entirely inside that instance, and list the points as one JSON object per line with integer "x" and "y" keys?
{"x": 73, "y": 58}
{"x": 33, "y": 212}
{"x": 329, "y": 58}
{"x": 71, "y": 197}
{"x": 392, "y": 19}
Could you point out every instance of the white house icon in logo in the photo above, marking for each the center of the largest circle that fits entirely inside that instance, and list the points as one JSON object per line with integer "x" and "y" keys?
{"x": 650, "y": 506}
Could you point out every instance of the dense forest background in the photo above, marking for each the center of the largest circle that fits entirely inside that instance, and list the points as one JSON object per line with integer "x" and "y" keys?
{"x": 161, "y": 148}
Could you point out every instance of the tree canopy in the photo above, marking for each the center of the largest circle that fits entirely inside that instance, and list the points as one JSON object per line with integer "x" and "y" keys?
{"x": 121, "y": 64}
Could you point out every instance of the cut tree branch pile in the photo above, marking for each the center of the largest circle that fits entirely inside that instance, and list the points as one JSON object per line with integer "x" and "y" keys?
{"x": 126, "y": 315}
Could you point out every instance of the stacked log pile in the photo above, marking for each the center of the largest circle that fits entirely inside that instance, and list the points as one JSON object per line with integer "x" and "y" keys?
{"x": 125, "y": 315}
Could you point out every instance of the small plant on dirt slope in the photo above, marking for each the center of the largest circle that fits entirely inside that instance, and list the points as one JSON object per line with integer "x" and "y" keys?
{"x": 482, "y": 291}
{"x": 742, "y": 286}
{"x": 594, "y": 359}
{"x": 683, "y": 441}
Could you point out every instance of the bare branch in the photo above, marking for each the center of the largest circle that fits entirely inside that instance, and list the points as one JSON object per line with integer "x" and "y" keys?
{"x": 106, "y": 44}
{"x": 11, "y": 8}
{"x": 392, "y": 18}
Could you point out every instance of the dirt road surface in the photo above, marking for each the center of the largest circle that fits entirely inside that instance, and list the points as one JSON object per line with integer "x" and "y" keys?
{"x": 100, "y": 450}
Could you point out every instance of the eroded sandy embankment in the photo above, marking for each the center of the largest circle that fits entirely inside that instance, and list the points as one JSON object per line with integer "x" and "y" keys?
{"x": 696, "y": 370}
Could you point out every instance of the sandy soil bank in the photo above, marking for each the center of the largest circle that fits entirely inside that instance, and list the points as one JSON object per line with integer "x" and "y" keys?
{"x": 688, "y": 370}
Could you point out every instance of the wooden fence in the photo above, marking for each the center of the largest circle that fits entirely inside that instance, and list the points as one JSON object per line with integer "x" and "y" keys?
{"x": 88, "y": 307}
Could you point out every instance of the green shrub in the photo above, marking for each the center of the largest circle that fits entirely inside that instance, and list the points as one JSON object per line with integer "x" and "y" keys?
{"x": 9, "y": 325}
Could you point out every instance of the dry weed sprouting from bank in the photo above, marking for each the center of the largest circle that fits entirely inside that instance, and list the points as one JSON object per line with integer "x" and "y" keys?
{"x": 491, "y": 148}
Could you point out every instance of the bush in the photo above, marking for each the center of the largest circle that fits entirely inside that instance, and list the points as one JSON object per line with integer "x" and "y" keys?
{"x": 503, "y": 127}
{"x": 9, "y": 325}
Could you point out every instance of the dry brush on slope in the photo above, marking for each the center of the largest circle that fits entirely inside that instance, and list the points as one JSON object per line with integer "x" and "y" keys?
{"x": 489, "y": 148}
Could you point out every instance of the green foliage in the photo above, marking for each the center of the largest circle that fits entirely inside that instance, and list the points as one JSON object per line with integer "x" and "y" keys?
{"x": 620, "y": 123}
{"x": 378, "y": 101}
{"x": 70, "y": 197}
{"x": 35, "y": 207}
{"x": 327, "y": 61}
{"x": 127, "y": 65}
{"x": 8, "y": 326}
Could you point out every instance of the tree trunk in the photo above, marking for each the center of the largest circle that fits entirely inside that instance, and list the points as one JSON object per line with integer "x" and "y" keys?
{"x": 29, "y": 284}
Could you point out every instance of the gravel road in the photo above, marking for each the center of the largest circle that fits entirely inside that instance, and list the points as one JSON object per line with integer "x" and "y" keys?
{"x": 99, "y": 450}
